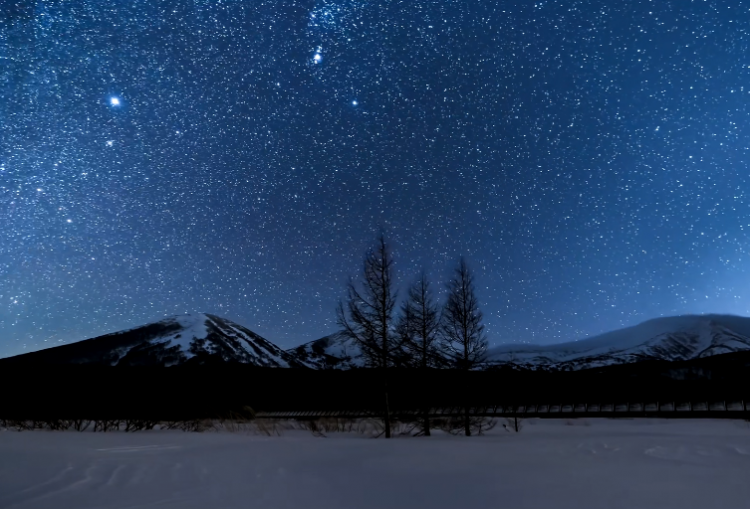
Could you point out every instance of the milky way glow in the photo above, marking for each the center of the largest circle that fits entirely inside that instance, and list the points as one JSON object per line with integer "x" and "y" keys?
{"x": 589, "y": 160}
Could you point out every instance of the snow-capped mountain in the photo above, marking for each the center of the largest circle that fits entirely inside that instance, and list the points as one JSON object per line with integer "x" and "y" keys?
{"x": 669, "y": 339}
{"x": 334, "y": 351}
{"x": 203, "y": 338}
{"x": 194, "y": 338}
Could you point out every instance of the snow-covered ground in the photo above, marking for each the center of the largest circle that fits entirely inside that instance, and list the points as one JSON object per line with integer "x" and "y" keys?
{"x": 550, "y": 464}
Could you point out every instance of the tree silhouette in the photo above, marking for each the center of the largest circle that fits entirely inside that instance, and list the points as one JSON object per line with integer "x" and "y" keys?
{"x": 463, "y": 333}
{"x": 419, "y": 328}
{"x": 367, "y": 318}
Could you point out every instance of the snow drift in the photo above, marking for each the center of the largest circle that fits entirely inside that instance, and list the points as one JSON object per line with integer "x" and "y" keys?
{"x": 646, "y": 464}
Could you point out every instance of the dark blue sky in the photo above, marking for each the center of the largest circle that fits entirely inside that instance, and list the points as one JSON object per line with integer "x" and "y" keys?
{"x": 238, "y": 157}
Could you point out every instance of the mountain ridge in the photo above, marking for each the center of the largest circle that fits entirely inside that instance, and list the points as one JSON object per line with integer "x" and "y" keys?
{"x": 196, "y": 338}
{"x": 201, "y": 338}
{"x": 683, "y": 337}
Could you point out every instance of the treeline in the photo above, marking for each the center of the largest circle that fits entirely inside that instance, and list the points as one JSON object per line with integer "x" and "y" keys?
{"x": 419, "y": 334}
{"x": 186, "y": 394}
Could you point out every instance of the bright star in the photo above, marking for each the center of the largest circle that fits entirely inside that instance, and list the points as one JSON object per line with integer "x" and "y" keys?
{"x": 110, "y": 143}
{"x": 114, "y": 101}
{"x": 317, "y": 58}
{"x": 354, "y": 102}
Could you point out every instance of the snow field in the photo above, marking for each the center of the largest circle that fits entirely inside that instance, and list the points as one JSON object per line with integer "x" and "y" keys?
{"x": 593, "y": 463}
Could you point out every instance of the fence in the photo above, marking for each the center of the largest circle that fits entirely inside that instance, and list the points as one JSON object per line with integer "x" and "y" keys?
{"x": 695, "y": 409}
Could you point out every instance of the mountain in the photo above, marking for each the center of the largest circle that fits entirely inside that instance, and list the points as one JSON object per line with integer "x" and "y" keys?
{"x": 208, "y": 339}
{"x": 186, "y": 339}
{"x": 678, "y": 338}
{"x": 330, "y": 352}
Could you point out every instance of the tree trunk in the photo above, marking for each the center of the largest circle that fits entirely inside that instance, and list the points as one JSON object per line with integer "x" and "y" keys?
{"x": 467, "y": 422}
{"x": 426, "y": 409}
{"x": 387, "y": 417}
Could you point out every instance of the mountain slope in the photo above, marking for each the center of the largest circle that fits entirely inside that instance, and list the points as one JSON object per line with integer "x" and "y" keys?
{"x": 330, "y": 352}
{"x": 186, "y": 339}
{"x": 203, "y": 339}
{"x": 671, "y": 339}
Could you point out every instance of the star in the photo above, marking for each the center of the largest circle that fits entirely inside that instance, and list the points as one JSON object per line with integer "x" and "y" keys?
{"x": 531, "y": 156}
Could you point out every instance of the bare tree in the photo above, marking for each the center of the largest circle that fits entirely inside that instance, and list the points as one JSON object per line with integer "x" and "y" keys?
{"x": 514, "y": 423}
{"x": 418, "y": 331}
{"x": 367, "y": 318}
{"x": 462, "y": 329}
{"x": 420, "y": 326}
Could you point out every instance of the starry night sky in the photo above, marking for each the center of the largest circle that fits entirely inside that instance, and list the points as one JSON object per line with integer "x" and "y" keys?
{"x": 589, "y": 158}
